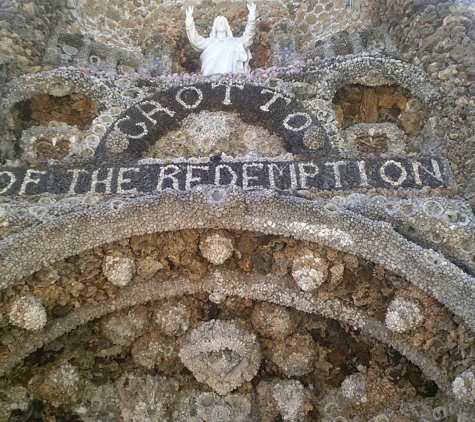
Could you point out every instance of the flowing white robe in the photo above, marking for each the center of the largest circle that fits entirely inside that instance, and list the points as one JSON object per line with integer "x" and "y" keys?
{"x": 223, "y": 55}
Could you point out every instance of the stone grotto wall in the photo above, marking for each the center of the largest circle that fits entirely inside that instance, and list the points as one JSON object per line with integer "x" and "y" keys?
{"x": 296, "y": 244}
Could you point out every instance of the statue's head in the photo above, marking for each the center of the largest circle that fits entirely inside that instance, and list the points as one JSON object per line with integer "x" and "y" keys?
{"x": 220, "y": 25}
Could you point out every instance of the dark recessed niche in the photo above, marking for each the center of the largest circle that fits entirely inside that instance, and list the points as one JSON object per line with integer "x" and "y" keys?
{"x": 357, "y": 103}
{"x": 74, "y": 109}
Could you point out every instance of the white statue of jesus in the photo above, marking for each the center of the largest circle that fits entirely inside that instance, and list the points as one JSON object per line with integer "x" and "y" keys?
{"x": 221, "y": 52}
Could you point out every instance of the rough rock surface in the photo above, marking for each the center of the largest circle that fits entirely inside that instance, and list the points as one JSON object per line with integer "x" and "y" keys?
{"x": 306, "y": 304}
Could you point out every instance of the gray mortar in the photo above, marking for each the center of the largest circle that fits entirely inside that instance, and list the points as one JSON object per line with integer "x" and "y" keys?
{"x": 257, "y": 287}
{"x": 264, "y": 211}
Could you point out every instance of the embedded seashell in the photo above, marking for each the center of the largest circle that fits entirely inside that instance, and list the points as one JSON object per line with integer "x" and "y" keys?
{"x": 38, "y": 211}
{"x": 115, "y": 111}
{"x": 70, "y": 50}
{"x": 217, "y": 297}
{"x": 91, "y": 199}
{"x": 106, "y": 119}
{"x": 116, "y": 204}
{"x": 59, "y": 89}
{"x": 99, "y": 129}
{"x": 92, "y": 140}
{"x": 87, "y": 152}
{"x": 433, "y": 208}
{"x": 94, "y": 60}
{"x": 69, "y": 202}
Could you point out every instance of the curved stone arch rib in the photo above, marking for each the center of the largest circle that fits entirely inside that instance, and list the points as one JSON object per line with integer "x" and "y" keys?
{"x": 57, "y": 83}
{"x": 152, "y": 117}
{"x": 262, "y": 288}
{"x": 24, "y": 253}
{"x": 376, "y": 71}
{"x": 455, "y": 223}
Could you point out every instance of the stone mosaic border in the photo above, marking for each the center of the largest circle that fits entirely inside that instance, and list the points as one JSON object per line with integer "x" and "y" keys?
{"x": 152, "y": 117}
{"x": 445, "y": 225}
{"x": 58, "y": 82}
{"x": 256, "y": 287}
{"x": 373, "y": 71}
{"x": 115, "y": 92}
{"x": 264, "y": 211}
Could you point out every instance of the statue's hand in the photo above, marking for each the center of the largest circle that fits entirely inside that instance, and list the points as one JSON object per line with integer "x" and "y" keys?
{"x": 252, "y": 10}
{"x": 189, "y": 16}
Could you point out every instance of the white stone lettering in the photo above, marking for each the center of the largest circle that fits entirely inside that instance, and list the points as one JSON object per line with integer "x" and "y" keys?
{"x": 387, "y": 179}
{"x": 106, "y": 182}
{"x": 280, "y": 171}
{"x": 157, "y": 107}
{"x": 435, "y": 173}
{"x": 171, "y": 176}
{"x": 140, "y": 124}
{"x": 246, "y": 178}
{"x": 227, "y": 93}
{"x": 217, "y": 175}
{"x": 276, "y": 96}
{"x": 74, "y": 182}
{"x": 276, "y": 175}
{"x": 363, "y": 176}
{"x": 12, "y": 180}
{"x": 308, "y": 122}
{"x": 189, "y": 179}
{"x": 121, "y": 179}
{"x": 30, "y": 178}
{"x": 336, "y": 171}
{"x": 304, "y": 174}
{"x": 189, "y": 88}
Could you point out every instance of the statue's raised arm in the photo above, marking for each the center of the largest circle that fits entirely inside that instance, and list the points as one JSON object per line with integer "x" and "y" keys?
{"x": 250, "y": 30}
{"x": 198, "y": 42}
{"x": 221, "y": 52}
{"x": 252, "y": 11}
{"x": 189, "y": 16}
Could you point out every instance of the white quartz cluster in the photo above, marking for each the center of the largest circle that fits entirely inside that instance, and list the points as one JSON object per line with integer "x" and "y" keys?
{"x": 118, "y": 269}
{"x": 28, "y": 312}
{"x": 309, "y": 271}
{"x": 217, "y": 248}
{"x": 290, "y": 398}
{"x": 222, "y": 354}
{"x": 403, "y": 315}
{"x": 353, "y": 388}
{"x": 463, "y": 386}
